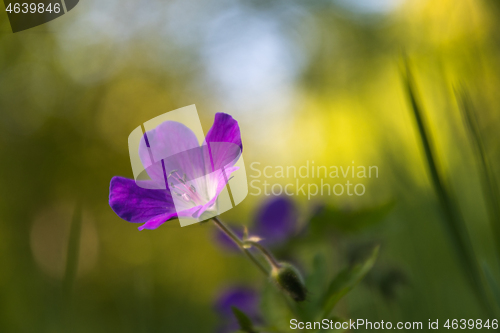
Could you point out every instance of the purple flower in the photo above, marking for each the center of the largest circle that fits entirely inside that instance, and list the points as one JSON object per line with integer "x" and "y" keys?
{"x": 245, "y": 299}
{"x": 276, "y": 221}
{"x": 186, "y": 178}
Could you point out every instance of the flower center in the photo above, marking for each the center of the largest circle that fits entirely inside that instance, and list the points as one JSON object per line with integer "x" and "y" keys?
{"x": 186, "y": 191}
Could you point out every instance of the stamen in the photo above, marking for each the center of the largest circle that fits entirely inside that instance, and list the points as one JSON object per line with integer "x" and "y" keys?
{"x": 186, "y": 191}
{"x": 171, "y": 173}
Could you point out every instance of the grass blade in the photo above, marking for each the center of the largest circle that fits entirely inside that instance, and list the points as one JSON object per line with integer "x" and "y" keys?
{"x": 488, "y": 181}
{"x": 494, "y": 286}
{"x": 452, "y": 218}
{"x": 73, "y": 251}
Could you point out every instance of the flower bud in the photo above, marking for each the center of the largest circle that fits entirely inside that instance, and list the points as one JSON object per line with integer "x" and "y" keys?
{"x": 290, "y": 281}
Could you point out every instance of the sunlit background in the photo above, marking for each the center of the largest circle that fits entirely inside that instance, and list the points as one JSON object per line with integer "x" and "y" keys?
{"x": 307, "y": 81}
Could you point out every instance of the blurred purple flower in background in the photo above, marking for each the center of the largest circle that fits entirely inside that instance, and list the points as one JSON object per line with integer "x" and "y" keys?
{"x": 196, "y": 174}
{"x": 275, "y": 222}
{"x": 245, "y": 299}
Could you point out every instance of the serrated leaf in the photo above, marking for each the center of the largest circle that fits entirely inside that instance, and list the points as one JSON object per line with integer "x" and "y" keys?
{"x": 243, "y": 320}
{"x": 345, "y": 281}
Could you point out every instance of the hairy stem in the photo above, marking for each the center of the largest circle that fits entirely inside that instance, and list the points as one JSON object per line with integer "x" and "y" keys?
{"x": 265, "y": 252}
{"x": 240, "y": 243}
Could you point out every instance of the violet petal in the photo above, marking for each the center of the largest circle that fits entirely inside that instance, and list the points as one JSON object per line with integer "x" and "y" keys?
{"x": 224, "y": 129}
{"x": 135, "y": 204}
{"x": 177, "y": 145}
{"x": 220, "y": 180}
{"x": 157, "y": 221}
{"x": 224, "y": 141}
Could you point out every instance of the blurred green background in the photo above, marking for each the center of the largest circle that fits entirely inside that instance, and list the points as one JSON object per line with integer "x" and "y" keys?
{"x": 307, "y": 81}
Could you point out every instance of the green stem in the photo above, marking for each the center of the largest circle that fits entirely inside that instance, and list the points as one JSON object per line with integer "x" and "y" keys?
{"x": 240, "y": 244}
{"x": 265, "y": 252}
{"x": 270, "y": 258}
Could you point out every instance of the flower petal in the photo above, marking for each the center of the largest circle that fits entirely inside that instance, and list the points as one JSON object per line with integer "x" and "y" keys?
{"x": 276, "y": 221}
{"x": 219, "y": 179}
{"x": 135, "y": 204}
{"x": 158, "y": 220}
{"x": 174, "y": 143}
{"x": 224, "y": 141}
{"x": 189, "y": 164}
{"x": 224, "y": 129}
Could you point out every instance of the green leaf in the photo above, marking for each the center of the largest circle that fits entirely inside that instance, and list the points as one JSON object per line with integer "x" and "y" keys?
{"x": 345, "y": 281}
{"x": 275, "y": 309}
{"x": 350, "y": 221}
{"x": 315, "y": 283}
{"x": 317, "y": 279}
{"x": 243, "y": 320}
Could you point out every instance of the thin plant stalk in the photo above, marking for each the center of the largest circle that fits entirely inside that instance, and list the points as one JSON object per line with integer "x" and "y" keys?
{"x": 240, "y": 244}
{"x": 71, "y": 269}
{"x": 73, "y": 251}
{"x": 488, "y": 181}
{"x": 452, "y": 217}
{"x": 243, "y": 245}
{"x": 270, "y": 258}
